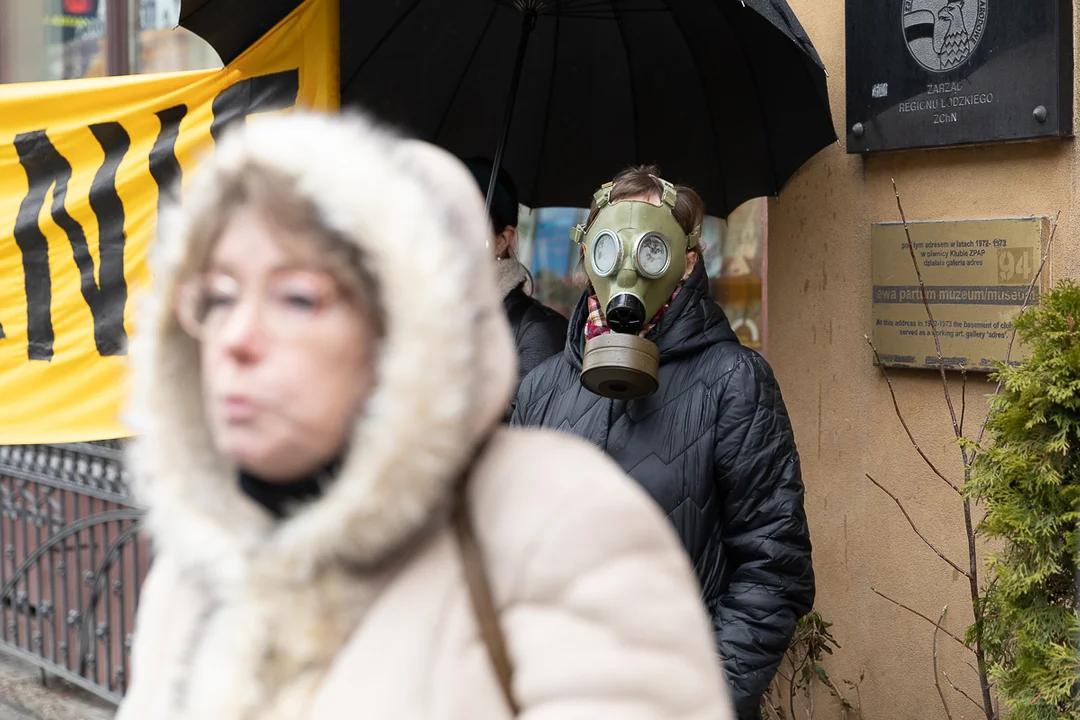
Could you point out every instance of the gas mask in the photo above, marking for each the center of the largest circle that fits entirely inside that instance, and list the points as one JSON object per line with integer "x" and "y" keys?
{"x": 635, "y": 256}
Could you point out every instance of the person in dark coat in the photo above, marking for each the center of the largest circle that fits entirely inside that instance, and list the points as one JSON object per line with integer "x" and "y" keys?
{"x": 539, "y": 332}
{"x": 712, "y": 444}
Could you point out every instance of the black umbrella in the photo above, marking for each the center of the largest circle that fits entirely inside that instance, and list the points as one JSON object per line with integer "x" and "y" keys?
{"x": 728, "y": 96}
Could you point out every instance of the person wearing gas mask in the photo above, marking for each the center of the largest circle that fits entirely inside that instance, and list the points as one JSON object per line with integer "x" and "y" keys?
{"x": 653, "y": 374}
{"x": 539, "y": 331}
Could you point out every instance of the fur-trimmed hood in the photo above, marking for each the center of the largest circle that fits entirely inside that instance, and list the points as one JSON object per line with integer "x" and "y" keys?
{"x": 444, "y": 372}
{"x": 509, "y": 274}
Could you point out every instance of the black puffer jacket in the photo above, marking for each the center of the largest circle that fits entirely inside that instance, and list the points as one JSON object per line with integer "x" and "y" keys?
{"x": 539, "y": 331}
{"x": 714, "y": 447}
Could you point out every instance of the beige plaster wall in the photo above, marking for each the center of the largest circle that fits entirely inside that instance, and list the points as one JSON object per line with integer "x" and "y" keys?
{"x": 819, "y": 310}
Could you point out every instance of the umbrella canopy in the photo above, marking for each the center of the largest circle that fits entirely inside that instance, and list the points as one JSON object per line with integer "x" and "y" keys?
{"x": 724, "y": 95}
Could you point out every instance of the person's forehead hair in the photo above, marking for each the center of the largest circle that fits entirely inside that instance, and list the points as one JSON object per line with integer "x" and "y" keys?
{"x": 252, "y": 187}
{"x": 643, "y": 183}
{"x": 638, "y": 187}
{"x": 297, "y": 228}
{"x": 294, "y": 219}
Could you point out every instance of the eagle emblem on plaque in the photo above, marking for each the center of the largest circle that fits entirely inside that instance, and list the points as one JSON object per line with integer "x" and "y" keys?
{"x": 942, "y": 34}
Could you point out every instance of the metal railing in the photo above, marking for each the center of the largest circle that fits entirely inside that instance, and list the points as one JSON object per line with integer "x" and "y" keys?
{"x": 71, "y": 563}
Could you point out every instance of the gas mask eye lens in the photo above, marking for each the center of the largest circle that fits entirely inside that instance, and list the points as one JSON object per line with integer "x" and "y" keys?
{"x": 605, "y": 253}
{"x": 652, "y": 256}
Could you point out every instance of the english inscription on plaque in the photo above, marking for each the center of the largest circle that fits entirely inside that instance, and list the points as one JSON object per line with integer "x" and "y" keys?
{"x": 933, "y": 73}
{"x": 977, "y": 274}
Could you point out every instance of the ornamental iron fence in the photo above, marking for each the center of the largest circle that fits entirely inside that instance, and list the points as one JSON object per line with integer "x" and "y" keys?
{"x": 71, "y": 562}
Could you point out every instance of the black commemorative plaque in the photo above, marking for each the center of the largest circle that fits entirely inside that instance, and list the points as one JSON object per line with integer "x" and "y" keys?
{"x": 935, "y": 73}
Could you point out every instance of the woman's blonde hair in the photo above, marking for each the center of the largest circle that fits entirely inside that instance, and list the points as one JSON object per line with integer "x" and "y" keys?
{"x": 273, "y": 195}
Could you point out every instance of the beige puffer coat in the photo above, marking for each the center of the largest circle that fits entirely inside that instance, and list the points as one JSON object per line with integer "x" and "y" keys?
{"x": 356, "y": 606}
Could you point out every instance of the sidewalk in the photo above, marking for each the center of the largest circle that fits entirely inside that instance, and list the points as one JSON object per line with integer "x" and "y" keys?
{"x": 23, "y": 697}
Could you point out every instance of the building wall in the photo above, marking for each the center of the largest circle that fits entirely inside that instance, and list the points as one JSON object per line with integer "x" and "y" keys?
{"x": 819, "y": 311}
{"x": 20, "y": 36}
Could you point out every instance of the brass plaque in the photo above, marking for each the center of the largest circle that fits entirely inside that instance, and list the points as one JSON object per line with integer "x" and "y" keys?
{"x": 977, "y": 274}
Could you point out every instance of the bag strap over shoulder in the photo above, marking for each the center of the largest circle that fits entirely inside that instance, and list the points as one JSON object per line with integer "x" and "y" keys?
{"x": 476, "y": 578}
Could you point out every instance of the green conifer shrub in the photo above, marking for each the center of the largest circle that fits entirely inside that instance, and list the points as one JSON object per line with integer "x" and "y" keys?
{"x": 1028, "y": 480}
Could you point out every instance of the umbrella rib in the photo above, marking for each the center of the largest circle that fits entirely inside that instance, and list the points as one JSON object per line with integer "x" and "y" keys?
{"x": 551, "y": 93}
{"x": 587, "y": 9}
{"x": 708, "y": 104}
{"x": 599, "y": 14}
{"x": 586, "y": 5}
{"x": 578, "y": 4}
{"x": 386, "y": 36}
{"x": 800, "y": 35}
{"x": 630, "y": 76}
{"x": 645, "y": 7}
{"x": 757, "y": 94}
{"x": 602, "y": 5}
{"x": 464, "y": 73}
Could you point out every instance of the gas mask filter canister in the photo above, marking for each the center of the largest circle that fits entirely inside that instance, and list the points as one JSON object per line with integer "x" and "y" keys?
{"x": 635, "y": 257}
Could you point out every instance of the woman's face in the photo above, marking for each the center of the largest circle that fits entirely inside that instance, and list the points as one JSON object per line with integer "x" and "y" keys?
{"x": 287, "y": 359}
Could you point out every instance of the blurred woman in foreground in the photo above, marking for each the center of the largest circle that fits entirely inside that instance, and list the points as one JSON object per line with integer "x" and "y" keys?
{"x": 342, "y": 528}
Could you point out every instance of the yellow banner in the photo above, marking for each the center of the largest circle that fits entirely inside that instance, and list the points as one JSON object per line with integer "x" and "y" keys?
{"x": 83, "y": 167}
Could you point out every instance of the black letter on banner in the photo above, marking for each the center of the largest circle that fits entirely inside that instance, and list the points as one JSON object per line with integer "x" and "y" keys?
{"x": 164, "y": 166}
{"x": 108, "y": 296}
{"x": 44, "y": 167}
{"x": 264, "y": 93}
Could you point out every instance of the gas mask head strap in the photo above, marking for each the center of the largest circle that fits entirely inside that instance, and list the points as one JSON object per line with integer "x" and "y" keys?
{"x": 602, "y": 198}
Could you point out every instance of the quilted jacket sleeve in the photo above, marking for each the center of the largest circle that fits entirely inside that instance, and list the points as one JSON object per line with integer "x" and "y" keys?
{"x": 541, "y": 335}
{"x": 523, "y": 407}
{"x": 764, "y": 532}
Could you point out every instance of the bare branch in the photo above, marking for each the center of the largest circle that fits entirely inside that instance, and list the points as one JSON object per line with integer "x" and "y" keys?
{"x": 937, "y": 681}
{"x": 845, "y": 705}
{"x": 1023, "y": 309}
{"x": 963, "y": 399}
{"x": 914, "y": 527}
{"x": 1031, "y": 285}
{"x": 953, "y": 686}
{"x": 858, "y": 693}
{"x": 929, "y": 314}
{"x": 919, "y": 614}
{"x": 972, "y": 574}
{"x": 903, "y": 422}
{"x": 968, "y": 461}
{"x": 771, "y": 712}
{"x": 976, "y": 606}
{"x": 792, "y": 688}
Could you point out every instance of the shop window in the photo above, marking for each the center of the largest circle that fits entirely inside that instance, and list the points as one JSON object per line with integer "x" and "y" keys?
{"x": 734, "y": 254}
{"x": 95, "y": 38}
{"x": 75, "y": 38}
{"x": 735, "y": 259}
{"x": 160, "y": 46}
